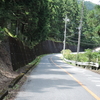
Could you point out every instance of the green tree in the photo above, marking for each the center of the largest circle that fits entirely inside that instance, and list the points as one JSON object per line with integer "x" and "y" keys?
{"x": 27, "y": 20}
{"x": 59, "y": 9}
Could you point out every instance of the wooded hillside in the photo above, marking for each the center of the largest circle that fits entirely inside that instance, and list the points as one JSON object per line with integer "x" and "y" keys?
{"x": 35, "y": 21}
{"x": 89, "y": 5}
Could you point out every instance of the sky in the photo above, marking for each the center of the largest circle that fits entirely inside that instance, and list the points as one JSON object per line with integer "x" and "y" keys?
{"x": 94, "y": 1}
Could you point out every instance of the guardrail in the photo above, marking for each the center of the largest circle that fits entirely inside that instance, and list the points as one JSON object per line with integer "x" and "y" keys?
{"x": 90, "y": 65}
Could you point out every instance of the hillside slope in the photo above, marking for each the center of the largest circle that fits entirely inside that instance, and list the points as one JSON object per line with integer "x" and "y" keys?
{"x": 88, "y": 4}
{"x": 6, "y": 72}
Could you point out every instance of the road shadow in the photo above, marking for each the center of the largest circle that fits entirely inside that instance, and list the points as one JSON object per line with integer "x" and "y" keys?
{"x": 41, "y": 85}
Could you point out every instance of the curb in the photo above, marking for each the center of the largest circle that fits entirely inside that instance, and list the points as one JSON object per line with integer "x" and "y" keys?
{"x": 27, "y": 69}
{"x": 14, "y": 81}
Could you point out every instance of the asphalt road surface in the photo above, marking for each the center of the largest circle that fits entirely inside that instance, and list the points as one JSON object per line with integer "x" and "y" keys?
{"x": 53, "y": 79}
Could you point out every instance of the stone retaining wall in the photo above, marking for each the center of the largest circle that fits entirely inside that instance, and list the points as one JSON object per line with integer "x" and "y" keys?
{"x": 21, "y": 55}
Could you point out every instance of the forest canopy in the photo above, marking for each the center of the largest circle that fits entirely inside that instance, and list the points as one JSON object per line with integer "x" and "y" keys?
{"x": 33, "y": 21}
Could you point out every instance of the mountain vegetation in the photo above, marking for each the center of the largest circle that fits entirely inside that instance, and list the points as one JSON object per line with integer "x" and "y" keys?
{"x": 33, "y": 21}
{"x": 89, "y": 5}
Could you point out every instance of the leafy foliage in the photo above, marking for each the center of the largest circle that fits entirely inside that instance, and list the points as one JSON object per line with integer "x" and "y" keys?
{"x": 89, "y": 5}
{"x": 27, "y": 20}
{"x": 59, "y": 9}
{"x": 66, "y": 53}
{"x": 33, "y": 21}
{"x": 88, "y": 56}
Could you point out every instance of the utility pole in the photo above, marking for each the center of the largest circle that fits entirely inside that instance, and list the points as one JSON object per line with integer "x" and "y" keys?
{"x": 64, "y": 42}
{"x": 80, "y": 29}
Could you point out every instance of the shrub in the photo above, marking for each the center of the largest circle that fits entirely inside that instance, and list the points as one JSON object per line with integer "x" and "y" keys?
{"x": 95, "y": 57}
{"x": 72, "y": 57}
{"x": 88, "y": 53}
{"x": 82, "y": 58}
{"x": 66, "y": 52}
{"x": 88, "y": 56}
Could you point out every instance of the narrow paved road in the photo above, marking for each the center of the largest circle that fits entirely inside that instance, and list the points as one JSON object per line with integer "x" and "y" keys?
{"x": 53, "y": 79}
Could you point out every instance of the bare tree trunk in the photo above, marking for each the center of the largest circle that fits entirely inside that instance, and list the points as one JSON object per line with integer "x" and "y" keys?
{"x": 17, "y": 30}
{"x": 9, "y": 25}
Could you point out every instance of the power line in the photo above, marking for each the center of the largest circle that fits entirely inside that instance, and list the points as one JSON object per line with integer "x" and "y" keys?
{"x": 74, "y": 38}
{"x": 82, "y": 42}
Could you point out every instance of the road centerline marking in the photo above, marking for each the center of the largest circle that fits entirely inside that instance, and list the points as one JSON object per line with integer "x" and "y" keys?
{"x": 89, "y": 91}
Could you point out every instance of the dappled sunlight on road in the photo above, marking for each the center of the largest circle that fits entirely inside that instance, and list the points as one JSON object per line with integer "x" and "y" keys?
{"x": 53, "y": 79}
{"x": 59, "y": 55}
